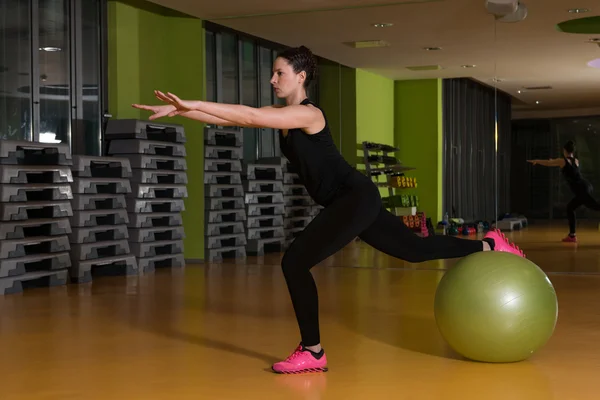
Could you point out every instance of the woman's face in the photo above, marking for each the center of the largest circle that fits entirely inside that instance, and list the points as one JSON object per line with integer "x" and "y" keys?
{"x": 285, "y": 81}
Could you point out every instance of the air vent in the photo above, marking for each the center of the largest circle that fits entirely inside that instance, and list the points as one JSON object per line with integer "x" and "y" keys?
{"x": 425, "y": 68}
{"x": 537, "y": 87}
{"x": 365, "y": 44}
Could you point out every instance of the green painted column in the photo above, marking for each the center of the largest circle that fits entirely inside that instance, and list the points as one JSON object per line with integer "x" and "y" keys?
{"x": 149, "y": 48}
{"x": 418, "y": 132}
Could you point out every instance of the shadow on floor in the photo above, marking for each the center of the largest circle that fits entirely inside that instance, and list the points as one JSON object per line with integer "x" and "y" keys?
{"x": 411, "y": 333}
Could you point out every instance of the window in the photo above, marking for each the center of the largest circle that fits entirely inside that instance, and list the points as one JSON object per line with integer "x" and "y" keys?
{"x": 15, "y": 70}
{"x": 239, "y": 70}
{"x": 51, "y": 71}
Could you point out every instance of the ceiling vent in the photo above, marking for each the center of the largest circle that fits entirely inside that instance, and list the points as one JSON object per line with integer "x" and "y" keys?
{"x": 425, "y": 68}
{"x": 367, "y": 44}
{"x": 537, "y": 87}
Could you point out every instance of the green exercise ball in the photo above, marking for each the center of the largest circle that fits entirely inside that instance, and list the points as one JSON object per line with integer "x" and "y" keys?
{"x": 495, "y": 307}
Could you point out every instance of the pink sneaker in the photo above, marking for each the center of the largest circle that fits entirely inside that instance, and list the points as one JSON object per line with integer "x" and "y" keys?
{"x": 501, "y": 243}
{"x": 570, "y": 239}
{"x": 302, "y": 361}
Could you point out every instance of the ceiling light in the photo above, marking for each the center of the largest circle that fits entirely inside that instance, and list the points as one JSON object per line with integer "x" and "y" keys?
{"x": 50, "y": 49}
{"x": 383, "y": 25}
{"x": 537, "y": 102}
{"x": 594, "y": 40}
{"x": 432, "y": 48}
{"x": 469, "y": 66}
{"x": 519, "y": 91}
{"x": 594, "y": 63}
{"x": 579, "y": 10}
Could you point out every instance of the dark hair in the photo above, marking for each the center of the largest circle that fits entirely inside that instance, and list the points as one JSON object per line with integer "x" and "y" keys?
{"x": 569, "y": 146}
{"x": 301, "y": 59}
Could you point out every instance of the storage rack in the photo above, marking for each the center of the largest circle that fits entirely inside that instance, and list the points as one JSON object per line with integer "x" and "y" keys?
{"x": 376, "y": 154}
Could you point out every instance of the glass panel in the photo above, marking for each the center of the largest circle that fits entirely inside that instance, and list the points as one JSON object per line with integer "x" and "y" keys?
{"x": 90, "y": 25}
{"x": 249, "y": 95}
{"x": 15, "y": 70}
{"x": 229, "y": 54}
{"x": 265, "y": 139}
{"x": 211, "y": 58}
{"x": 54, "y": 70}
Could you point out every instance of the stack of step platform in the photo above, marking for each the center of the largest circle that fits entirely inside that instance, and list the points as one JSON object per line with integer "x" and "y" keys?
{"x": 264, "y": 198}
{"x": 300, "y": 209}
{"x": 156, "y": 153}
{"x": 35, "y": 206}
{"x": 224, "y": 195}
{"x": 99, "y": 240}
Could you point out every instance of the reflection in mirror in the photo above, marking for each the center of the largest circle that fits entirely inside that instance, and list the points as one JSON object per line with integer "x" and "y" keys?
{"x": 556, "y": 101}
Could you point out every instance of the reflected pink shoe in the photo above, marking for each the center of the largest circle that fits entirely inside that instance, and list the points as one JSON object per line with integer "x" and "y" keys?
{"x": 501, "y": 243}
{"x": 570, "y": 239}
{"x": 302, "y": 361}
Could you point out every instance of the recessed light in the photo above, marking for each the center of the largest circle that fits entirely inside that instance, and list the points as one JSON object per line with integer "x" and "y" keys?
{"x": 432, "y": 48}
{"x": 579, "y": 10}
{"x": 383, "y": 25}
{"x": 594, "y": 63}
{"x": 519, "y": 91}
{"x": 594, "y": 40}
{"x": 497, "y": 80}
{"x": 50, "y": 49}
{"x": 469, "y": 66}
{"x": 537, "y": 102}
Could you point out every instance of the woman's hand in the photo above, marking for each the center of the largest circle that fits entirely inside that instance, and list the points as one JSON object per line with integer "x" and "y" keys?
{"x": 180, "y": 106}
{"x": 534, "y": 162}
{"x": 158, "y": 111}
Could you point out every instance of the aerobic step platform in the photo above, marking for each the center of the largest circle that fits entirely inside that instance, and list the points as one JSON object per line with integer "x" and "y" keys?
{"x": 144, "y": 130}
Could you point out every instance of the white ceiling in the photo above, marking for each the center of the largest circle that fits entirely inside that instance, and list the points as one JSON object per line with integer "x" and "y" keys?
{"x": 528, "y": 53}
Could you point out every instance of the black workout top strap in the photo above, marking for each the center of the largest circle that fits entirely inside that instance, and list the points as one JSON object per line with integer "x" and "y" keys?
{"x": 572, "y": 173}
{"x": 316, "y": 159}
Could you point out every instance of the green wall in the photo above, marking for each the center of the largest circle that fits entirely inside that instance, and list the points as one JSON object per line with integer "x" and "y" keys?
{"x": 374, "y": 108}
{"x": 418, "y": 134}
{"x": 374, "y": 113}
{"x": 151, "y": 47}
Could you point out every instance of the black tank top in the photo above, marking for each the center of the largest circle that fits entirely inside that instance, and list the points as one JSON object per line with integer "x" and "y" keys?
{"x": 316, "y": 159}
{"x": 573, "y": 176}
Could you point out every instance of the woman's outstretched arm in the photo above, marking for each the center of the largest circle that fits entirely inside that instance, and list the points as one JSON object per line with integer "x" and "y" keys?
{"x": 288, "y": 117}
{"x": 164, "y": 110}
{"x": 555, "y": 162}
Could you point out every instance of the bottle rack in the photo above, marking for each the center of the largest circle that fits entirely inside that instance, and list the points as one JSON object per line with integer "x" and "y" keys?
{"x": 379, "y": 160}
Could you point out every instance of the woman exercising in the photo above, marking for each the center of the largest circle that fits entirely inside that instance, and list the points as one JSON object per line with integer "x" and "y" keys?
{"x": 351, "y": 201}
{"x": 580, "y": 187}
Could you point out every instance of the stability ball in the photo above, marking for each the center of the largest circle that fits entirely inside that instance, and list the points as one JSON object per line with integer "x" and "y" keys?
{"x": 495, "y": 307}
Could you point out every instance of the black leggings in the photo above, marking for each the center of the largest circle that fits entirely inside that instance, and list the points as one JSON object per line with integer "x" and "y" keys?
{"x": 356, "y": 211}
{"x": 582, "y": 198}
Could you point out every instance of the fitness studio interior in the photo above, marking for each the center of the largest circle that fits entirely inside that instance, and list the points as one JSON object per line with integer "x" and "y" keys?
{"x": 144, "y": 258}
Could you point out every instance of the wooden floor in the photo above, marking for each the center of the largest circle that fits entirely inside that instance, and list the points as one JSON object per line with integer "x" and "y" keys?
{"x": 211, "y": 332}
